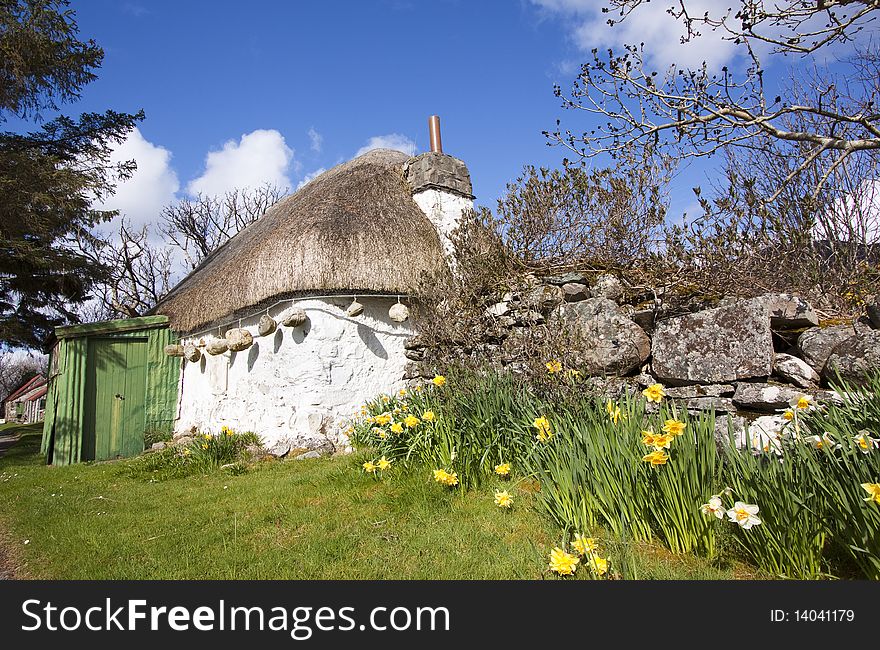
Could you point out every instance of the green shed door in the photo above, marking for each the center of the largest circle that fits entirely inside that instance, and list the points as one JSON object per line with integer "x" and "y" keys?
{"x": 114, "y": 401}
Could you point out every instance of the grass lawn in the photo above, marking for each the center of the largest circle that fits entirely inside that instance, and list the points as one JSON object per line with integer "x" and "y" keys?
{"x": 312, "y": 519}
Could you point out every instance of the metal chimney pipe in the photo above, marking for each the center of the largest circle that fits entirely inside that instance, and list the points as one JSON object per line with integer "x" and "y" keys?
{"x": 434, "y": 131}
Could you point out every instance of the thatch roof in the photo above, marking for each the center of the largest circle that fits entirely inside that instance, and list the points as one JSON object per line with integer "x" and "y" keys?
{"x": 354, "y": 228}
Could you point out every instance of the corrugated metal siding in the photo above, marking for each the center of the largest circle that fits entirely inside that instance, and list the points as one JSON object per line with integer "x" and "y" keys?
{"x": 65, "y": 404}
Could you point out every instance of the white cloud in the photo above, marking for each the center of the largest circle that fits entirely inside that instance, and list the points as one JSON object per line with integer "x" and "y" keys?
{"x": 259, "y": 157}
{"x": 650, "y": 24}
{"x": 151, "y": 187}
{"x": 317, "y": 140}
{"x": 394, "y": 141}
{"x": 310, "y": 176}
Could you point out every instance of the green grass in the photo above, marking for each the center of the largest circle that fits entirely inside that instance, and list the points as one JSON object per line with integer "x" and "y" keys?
{"x": 315, "y": 519}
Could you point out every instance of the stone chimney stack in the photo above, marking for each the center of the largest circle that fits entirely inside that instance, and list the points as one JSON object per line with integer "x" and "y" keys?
{"x": 441, "y": 185}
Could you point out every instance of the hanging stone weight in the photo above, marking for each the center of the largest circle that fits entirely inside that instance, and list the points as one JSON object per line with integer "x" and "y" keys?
{"x": 239, "y": 339}
{"x": 294, "y": 317}
{"x": 355, "y": 309}
{"x": 266, "y": 325}
{"x": 398, "y": 312}
{"x": 192, "y": 353}
{"x": 216, "y": 346}
{"x": 174, "y": 350}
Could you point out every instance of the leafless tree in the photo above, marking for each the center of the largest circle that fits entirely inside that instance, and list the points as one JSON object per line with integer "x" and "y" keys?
{"x": 17, "y": 366}
{"x": 691, "y": 113}
{"x": 138, "y": 274}
{"x": 198, "y": 226}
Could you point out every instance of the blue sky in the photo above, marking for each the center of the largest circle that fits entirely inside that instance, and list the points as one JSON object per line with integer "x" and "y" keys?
{"x": 239, "y": 92}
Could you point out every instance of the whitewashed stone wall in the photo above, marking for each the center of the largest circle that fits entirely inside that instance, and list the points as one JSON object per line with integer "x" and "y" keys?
{"x": 299, "y": 384}
{"x": 444, "y": 209}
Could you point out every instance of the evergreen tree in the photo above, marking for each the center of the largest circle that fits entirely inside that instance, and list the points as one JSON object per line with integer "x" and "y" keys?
{"x": 51, "y": 175}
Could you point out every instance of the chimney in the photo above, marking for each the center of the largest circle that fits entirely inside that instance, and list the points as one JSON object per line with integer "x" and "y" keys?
{"x": 441, "y": 185}
{"x": 434, "y": 133}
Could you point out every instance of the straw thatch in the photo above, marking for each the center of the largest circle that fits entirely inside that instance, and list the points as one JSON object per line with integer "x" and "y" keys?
{"x": 352, "y": 229}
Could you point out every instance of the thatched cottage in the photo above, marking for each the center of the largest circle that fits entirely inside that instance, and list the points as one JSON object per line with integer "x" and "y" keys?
{"x": 297, "y": 320}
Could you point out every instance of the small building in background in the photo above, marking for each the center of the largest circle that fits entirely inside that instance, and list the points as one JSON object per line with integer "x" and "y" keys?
{"x": 25, "y": 404}
{"x": 109, "y": 384}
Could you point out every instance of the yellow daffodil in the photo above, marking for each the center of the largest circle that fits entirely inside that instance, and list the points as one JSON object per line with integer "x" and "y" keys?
{"x": 383, "y": 463}
{"x": 503, "y": 469}
{"x": 648, "y": 437}
{"x": 598, "y": 565}
{"x": 369, "y": 467}
{"x": 445, "y": 478}
{"x": 384, "y": 418}
{"x": 674, "y": 427}
{"x": 503, "y": 499}
{"x": 428, "y": 416}
{"x": 207, "y": 436}
{"x": 542, "y": 424}
{"x": 204, "y": 445}
{"x": 563, "y": 563}
{"x": 873, "y": 490}
{"x": 744, "y": 514}
{"x": 714, "y": 507}
{"x": 662, "y": 441}
{"x": 614, "y": 413}
{"x": 553, "y": 366}
{"x": 656, "y": 457}
{"x": 397, "y": 427}
{"x": 654, "y": 393}
{"x": 788, "y": 415}
{"x": 584, "y": 545}
{"x": 439, "y": 380}
{"x": 411, "y": 421}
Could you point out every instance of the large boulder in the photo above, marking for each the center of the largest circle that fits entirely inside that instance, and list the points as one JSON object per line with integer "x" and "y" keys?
{"x": 855, "y": 357}
{"x": 817, "y": 343}
{"x": 787, "y": 311}
{"x": 764, "y": 397}
{"x": 715, "y": 346}
{"x": 543, "y": 298}
{"x": 610, "y": 343}
{"x": 607, "y": 286}
{"x": 795, "y": 371}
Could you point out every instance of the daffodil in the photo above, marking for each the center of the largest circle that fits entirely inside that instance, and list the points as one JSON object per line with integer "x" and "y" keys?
{"x": 439, "y": 380}
{"x": 542, "y": 424}
{"x": 503, "y": 469}
{"x": 674, "y": 427}
{"x": 503, "y": 499}
{"x": 428, "y": 416}
{"x": 714, "y": 507}
{"x": 383, "y": 463}
{"x": 397, "y": 427}
{"x": 865, "y": 442}
{"x": 788, "y": 415}
{"x": 207, "y": 436}
{"x": 446, "y": 478}
{"x": 656, "y": 457}
{"x": 648, "y": 437}
{"x": 614, "y": 413}
{"x": 204, "y": 445}
{"x": 384, "y": 418}
{"x": 571, "y": 373}
{"x": 563, "y": 563}
{"x": 369, "y": 467}
{"x": 801, "y": 402}
{"x": 821, "y": 442}
{"x": 411, "y": 421}
{"x": 417, "y": 388}
{"x": 402, "y": 392}
{"x": 873, "y": 490}
{"x": 744, "y": 514}
{"x": 553, "y": 366}
{"x": 598, "y": 565}
{"x": 654, "y": 393}
{"x": 661, "y": 440}
{"x": 584, "y": 545}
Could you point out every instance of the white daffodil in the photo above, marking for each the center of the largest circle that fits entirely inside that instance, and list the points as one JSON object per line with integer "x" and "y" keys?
{"x": 767, "y": 441}
{"x": 865, "y": 442}
{"x": 714, "y": 507}
{"x": 744, "y": 514}
{"x": 823, "y": 442}
{"x": 801, "y": 402}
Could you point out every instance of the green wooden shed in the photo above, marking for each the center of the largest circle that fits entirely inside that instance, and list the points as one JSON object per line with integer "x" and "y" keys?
{"x": 109, "y": 383}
